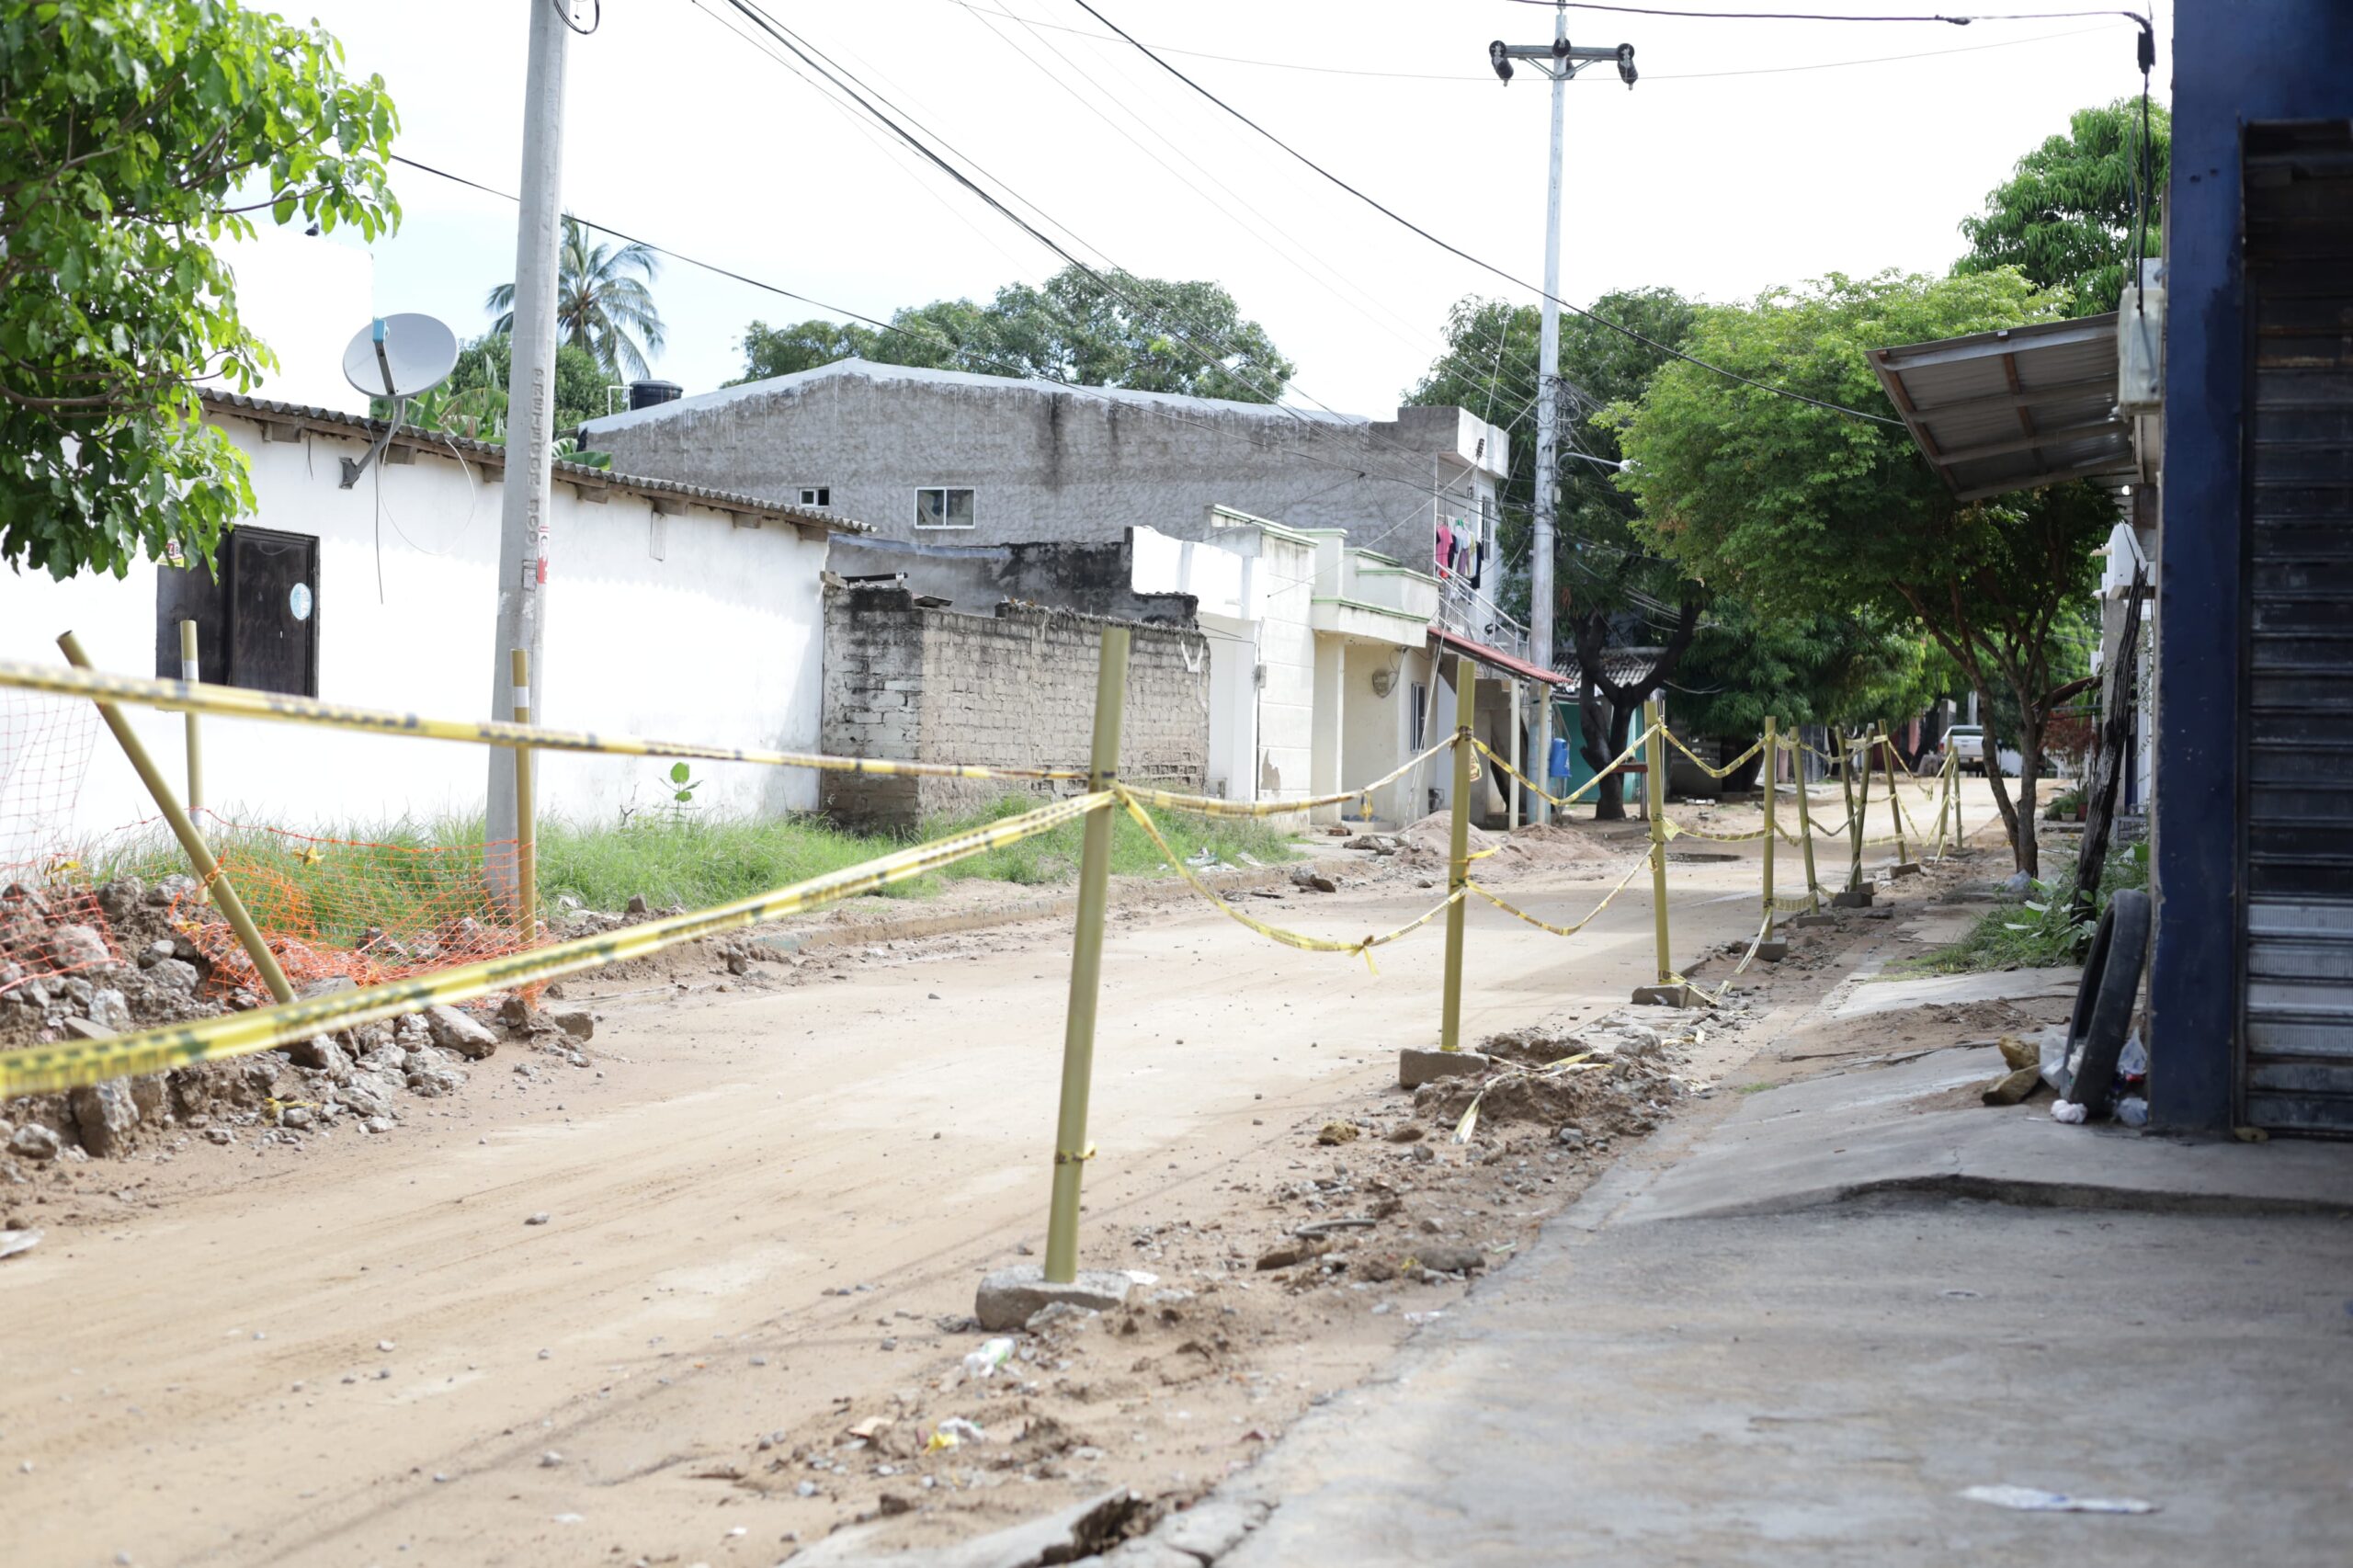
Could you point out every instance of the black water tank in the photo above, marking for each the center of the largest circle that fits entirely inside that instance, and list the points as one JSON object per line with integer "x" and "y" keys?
{"x": 645, "y": 394}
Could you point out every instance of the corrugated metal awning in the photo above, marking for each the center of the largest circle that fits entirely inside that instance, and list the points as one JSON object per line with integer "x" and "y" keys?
{"x": 2014, "y": 409}
{"x": 1496, "y": 658}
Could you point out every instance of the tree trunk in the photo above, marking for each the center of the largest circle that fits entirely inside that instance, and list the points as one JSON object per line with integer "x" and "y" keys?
{"x": 1994, "y": 777}
{"x": 2030, "y": 855}
{"x": 2107, "y": 761}
{"x": 1601, "y": 741}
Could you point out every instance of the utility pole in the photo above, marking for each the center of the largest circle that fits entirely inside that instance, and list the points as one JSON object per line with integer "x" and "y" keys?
{"x": 1560, "y": 61}
{"x": 530, "y": 415}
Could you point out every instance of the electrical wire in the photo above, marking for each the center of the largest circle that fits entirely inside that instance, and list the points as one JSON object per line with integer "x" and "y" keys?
{"x": 1452, "y": 249}
{"x": 803, "y": 50}
{"x": 1480, "y": 78}
{"x": 564, "y": 11}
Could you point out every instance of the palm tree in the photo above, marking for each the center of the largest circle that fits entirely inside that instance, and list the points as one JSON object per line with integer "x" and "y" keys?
{"x": 598, "y": 304}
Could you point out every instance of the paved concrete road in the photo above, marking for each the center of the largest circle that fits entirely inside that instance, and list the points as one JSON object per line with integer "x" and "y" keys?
{"x": 1818, "y": 1382}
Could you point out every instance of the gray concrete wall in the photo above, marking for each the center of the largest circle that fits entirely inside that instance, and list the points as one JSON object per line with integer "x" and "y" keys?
{"x": 1051, "y": 465}
{"x": 1013, "y": 689}
{"x": 1093, "y": 579}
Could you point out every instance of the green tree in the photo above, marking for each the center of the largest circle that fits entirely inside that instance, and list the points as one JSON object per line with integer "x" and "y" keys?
{"x": 1613, "y": 588}
{"x": 473, "y": 400}
{"x": 2064, "y": 218}
{"x": 604, "y": 303}
{"x": 1802, "y": 511}
{"x": 1801, "y": 669}
{"x": 1146, "y": 334}
{"x": 131, "y": 131}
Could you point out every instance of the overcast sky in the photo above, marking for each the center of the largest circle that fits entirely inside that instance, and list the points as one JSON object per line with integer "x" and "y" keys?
{"x": 1749, "y": 155}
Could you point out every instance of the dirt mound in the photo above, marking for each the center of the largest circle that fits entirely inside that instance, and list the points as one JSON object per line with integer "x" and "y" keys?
{"x": 166, "y": 973}
{"x": 1433, "y": 835}
{"x": 1558, "y": 844}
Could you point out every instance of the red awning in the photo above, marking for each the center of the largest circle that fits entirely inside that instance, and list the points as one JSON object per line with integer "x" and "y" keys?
{"x": 1497, "y": 659}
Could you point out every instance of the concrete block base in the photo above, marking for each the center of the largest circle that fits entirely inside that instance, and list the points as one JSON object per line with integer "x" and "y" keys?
{"x": 1852, "y": 898}
{"x": 1665, "y": 996}
{"x": 1810, "y": 921}
{"x": 1905, "y": 869}
{"x": 1416, "y": 1068}
{"x": 1011, "y": 1296}
{"x": 1772, "y": 951}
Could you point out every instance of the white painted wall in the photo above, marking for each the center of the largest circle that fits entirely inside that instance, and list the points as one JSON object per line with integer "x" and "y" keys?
{"x": 1284, "y": 583}
{"x": 719, "y": 640}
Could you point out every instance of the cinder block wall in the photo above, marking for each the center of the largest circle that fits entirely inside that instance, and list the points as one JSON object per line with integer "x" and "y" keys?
{"x": 1015, "y": 689}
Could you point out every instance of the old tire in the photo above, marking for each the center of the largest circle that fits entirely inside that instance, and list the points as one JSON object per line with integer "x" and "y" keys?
{"x": 2104, "y": 1002}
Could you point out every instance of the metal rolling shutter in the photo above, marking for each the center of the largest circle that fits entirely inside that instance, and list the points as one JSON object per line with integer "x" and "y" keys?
{"x": 2297, "y": 942}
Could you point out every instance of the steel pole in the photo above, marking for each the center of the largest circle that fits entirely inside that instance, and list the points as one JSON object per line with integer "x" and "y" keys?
{"x": 1449, "y": 1034}
{"x": 531, "y": 406}
{"x": 1541, "y": 594}
{"x": 1070, "y": 1149}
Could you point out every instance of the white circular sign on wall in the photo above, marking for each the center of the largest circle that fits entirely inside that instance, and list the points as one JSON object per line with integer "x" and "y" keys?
{"x": 299, "y": 601}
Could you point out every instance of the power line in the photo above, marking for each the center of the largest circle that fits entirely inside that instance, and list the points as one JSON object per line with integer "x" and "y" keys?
{"x": 1478, "y": 78}
{"x": 1110, "y": 285}
{"x": 1452, "y": 249}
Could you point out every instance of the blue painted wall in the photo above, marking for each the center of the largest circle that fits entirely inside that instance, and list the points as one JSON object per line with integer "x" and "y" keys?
{"x": 2233, "y": 60}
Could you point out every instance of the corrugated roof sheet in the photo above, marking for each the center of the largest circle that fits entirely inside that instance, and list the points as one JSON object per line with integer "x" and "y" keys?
{"x": 2013, "y": 409}
{"x": 269, "y": 411}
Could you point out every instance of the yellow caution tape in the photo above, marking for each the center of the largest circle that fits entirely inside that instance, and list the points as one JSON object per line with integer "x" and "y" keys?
{"x": 1288, "y": 939}
{"x": 52, "y": 1068}
{"x": 1712, "y": 771}
{"x": 1632, "y": 748}
{"x": 1206, "y": 805}
{"x": 1637, "y": 869}
{"x": 235, "y": 703}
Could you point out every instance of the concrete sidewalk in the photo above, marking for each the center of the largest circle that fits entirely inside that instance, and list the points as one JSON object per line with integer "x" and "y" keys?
{"x": 1849, "y": 1300}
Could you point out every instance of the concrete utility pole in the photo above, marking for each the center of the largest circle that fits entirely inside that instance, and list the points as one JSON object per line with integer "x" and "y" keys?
{"x": 531, "y": 412}
{"x": 1560, "y": 61}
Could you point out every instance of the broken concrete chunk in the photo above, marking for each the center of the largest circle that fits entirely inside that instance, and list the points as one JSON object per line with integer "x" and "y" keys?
{"x": 453, "y": 1030}
{"x": 1009, "y": 1298}
{"x": 104, "y": 1114}
{"x": 577, "y": 1022}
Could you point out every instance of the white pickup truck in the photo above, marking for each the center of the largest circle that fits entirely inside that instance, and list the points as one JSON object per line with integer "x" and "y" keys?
{"x": 1967, "y": 745}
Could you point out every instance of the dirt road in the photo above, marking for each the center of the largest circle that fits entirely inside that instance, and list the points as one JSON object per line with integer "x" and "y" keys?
{"x": 550, "y": 1322}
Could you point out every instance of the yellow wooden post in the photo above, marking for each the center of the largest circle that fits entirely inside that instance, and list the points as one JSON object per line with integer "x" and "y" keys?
{"x": 195, "y": 734}
{"x": 199, "y": 854}
{"x": 1894, "y": 801}
{"x": 1772, "y": 788}
{"x": 1070, "y": 1149}
{"x": 1654, "y": 799}
{"x": 1805, "y": 826}
{"x": 1449, "y": 1032}
{"x": 526, "y": 835}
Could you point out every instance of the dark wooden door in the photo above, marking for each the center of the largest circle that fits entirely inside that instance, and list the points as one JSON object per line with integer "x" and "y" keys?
{"x": 273, "y": 610}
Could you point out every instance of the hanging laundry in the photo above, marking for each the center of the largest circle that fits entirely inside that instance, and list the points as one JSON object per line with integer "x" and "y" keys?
{"x": 1444, "y": 554}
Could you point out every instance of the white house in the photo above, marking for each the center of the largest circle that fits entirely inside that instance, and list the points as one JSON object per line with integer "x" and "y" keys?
{"x": 670, "y": 611}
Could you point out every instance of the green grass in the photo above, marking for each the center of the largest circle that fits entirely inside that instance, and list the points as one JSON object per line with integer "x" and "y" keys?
{"x": 2035, "y": 934}
{"x": 376, "y": 876}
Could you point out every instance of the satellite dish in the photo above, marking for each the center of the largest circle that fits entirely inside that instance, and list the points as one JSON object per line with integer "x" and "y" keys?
{"x": 400, "y": 356}
{"x": 396, "y": 358}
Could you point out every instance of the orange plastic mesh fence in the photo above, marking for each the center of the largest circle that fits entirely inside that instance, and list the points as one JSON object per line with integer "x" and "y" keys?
{"x": 336, "y": 907}
{"x": 50, "y": 922}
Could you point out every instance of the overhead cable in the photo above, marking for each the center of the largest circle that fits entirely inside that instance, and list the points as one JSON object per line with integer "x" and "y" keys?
{"x": 1453, "y": 249}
